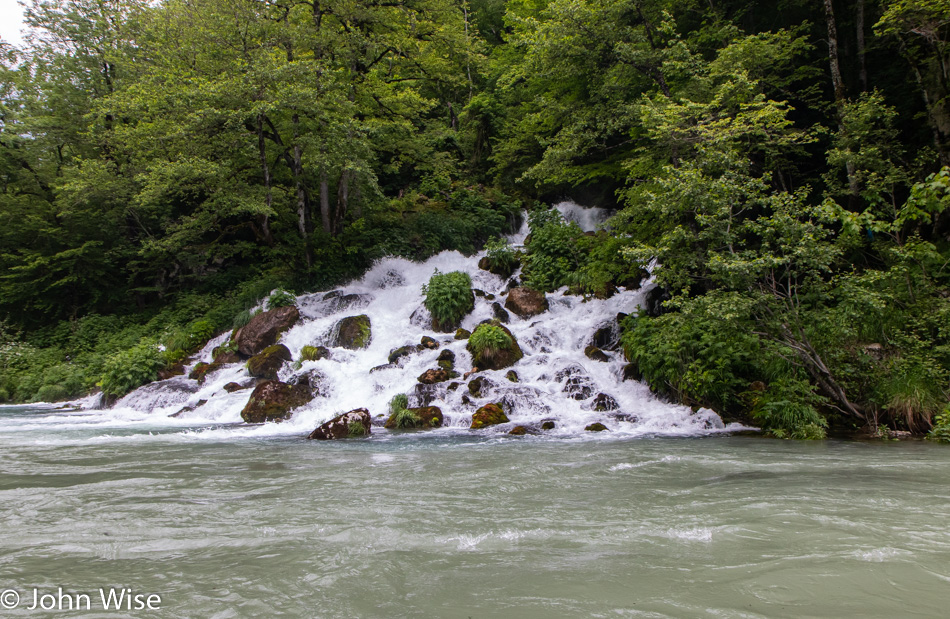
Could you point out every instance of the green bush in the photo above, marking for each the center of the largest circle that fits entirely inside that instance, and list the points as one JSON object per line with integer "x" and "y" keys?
{"x": 488, "y": 339}
{"x": 281, "y": 298}
{"x": 553, "y": 254}
{"x": 502, "y": 258}
{"x": 448, "y": 297}
{"x": 405, "y": 418}
{"x": 242, "y": 318}
{"x": 51, "y": 393}
{"x": 910, "y": 392}
{"x": 941, "y": 429}
{"x": 785, "y": 409}
{"x": 129, "y": 369}
{"x": 398, "y": 403}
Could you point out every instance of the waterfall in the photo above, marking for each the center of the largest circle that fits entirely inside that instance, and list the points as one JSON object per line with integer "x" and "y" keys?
{"x": 555, "y": 380}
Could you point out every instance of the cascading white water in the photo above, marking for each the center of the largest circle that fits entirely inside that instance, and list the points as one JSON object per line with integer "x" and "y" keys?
{"x": 553, "y": 369}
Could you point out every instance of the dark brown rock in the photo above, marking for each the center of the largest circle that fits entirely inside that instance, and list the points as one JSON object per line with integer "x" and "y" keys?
{"x": 354, "y": 424}
{"x": 518, "y": 431}
{"x": 176, "y": 370}
{"x": 268, "y": 362}
{"x": 264, "y": 329}
{"x": 547, "y": 425}
{"x": 202, "y": 369}
{"x": 428, "y": 342}
{"x": 430, "y": 377}
{"x": 463, "y": 334}
{"x": 631, "y": 371}
{"x": 605, "y": 403}
{"x": 499, "y": 313}
{"x": 488, "y": 415}
{"x": 479, "y": 385}
{"x": 526, "y": 302}
{"x": 596, "y": 427}
{"x": 232, "y": 387}
{"x": 273, "y": 400}
{"x": 398, "y": 353}
{"x": 512, "y": 376}
{"x": 595, "y": 354}
{"x": 222, "y": 354}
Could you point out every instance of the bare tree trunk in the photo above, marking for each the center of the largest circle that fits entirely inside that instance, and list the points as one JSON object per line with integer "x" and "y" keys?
{"x": 862, "y": 60}
{"x": 325, "y": 201}
{"x": 342, "y": 200}
{"x": 838, "y": 84}
{"x": 263, "y": 221}
{"x": 303, "y": 198}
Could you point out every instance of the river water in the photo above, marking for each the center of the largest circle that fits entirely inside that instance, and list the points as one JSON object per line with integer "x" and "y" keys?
{"x": 455, "y": 525}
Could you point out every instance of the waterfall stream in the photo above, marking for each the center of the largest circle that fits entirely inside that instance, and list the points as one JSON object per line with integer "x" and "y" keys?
{"x": 555, "y": 380}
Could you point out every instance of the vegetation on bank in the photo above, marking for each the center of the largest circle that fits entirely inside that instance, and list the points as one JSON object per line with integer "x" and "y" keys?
{"x": 784, "y": 170}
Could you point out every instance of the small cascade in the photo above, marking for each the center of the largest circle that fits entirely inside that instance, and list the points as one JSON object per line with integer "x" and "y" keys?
{"x": 555, "y": 381}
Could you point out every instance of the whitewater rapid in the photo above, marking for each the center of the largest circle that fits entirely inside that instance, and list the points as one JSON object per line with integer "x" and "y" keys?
{"x": 391, "y": 295}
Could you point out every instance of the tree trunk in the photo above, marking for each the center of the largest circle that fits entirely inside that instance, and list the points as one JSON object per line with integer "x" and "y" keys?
{"x": 263, "y": 221}
{"x": 342, "y": 200}
{"x": 838, "y": 84}
{"x": 303, "y": 198}
{"x": 862, "y": 60}
{"x": 325, "y": 201}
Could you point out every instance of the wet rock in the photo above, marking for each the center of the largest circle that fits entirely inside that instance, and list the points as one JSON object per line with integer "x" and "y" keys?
{"x": 604, "y": 403}
{"x": 463, "y": 334}
{"x": 447, "y": 355}
{"x": 273, "y": 400}
{"x": 341, "y": 302}
{"x": 385, "y": 366}
{"x": 264, "y": 329}
{"x": 354, "y": 424}
{"x": 653, "y": 302}
{"x": 201, "y": 371}
{"x": 499, "y": 313}
{"x": 176, "y": 370}
{"x": 268, "y": 362}
{"x": 478, "y": 293}
{"x": 430, "y": 377}
{"x": 526, "y": 302}
{"x": 547, "y": 425}
{"x": 479, "y": 386}
{"x": 512, "y": 376}
{"x": 225, "y": 354}
{"x": 398, "y": 353}
{"x": 501, "y": 270}
{"x": 596, "y": 427}
{"x": 315, "y": 382}
{"x": 446, "y": 365}
{"x": 188, "y": 409}
{"x": 577, "y": 384}
{"x": 607, "y": 337}
{"x": 232, "y": 387}
{"x": 595, "y": 354}
{"x": 631, "y": 371}
{"x": 511, "y": 284}
{"x": 424, "y": 395}
{"x": 488, "y": 415}
{"x": 421, "y": 318}
{"x": 625, "y": 417}
{"x": 518, "y": 431}
{"x": 314, "y": 353}
{"x": 428, "y": 342}
{"x": 353, "y": 332}
{"x": 454, "y": 386}
{"x": 418, "y": 418}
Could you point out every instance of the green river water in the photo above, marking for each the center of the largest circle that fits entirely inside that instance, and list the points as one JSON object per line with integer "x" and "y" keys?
{"x": 450, "y": 525}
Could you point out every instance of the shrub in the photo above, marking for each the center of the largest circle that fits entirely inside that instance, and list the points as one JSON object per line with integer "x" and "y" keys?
{"x": 281, "y": 298}
{"x": 242, "y": 318}
{"x": 448, "y": 297}
{"x": 785, "y": 410}
{"x": 398, "y": 403}
{"x": 910, "y": 392}
{"x": 131, "y": 368}
{"x": 405, "y": 418}
{"x": 357, "y": 429}
{"x": 553, "y": 255}
{"x": 941, "y": 430}
{"x": 502, "y": 258}
{"x": 489, "y": 340}
{"x": 51, "y": 393}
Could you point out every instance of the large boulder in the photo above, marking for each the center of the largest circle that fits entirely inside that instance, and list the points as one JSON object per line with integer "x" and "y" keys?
{"x": 268, "y": 362}
{"x": 353, "y": 332}
{"x": 421, "y": 417}
{"x": 353, "y": 424}
{"x": 430, "y": 377}
{"x": 526, "y": 302}
{"x": 500, "y": 353}
{"x": 264, "y": 329}
{"x": 488, "y": 415}
{"x": 273, "y": 400}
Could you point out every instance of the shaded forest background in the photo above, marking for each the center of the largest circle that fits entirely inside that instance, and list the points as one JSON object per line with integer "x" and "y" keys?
{"x": 164, "y": 166}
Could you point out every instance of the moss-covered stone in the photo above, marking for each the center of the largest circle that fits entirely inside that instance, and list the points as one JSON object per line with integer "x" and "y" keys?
{"x": 201, "y": 371}
{"x": 489, "y": 415}
{"x": 631, "y": 371}
{"x": 512, "y": 376}
{"x": 479, "y": 386}
{"x": 518, "y": 431}
{"x": 429, "y": 342}
{"x": 596, "y": 354}
{"x": 273, "y": 400}
{"x": 268, "y": 362}
{"x": 462, "y": 334}
{"x": 398, "y": 353}
{"x": 548, "y": 425}
{"x": 596, "y": 427}
{"x": 232, "y": 387}
{"x": 605, "y": 403}
{"x": 264, "y": 329}
{"x": 446, "y": 365}
{"x": 417, "y": 418}
{"x": 353, "y": 332}
{"x": 526, "y": 302}
{"x": 499, "y": 354}
{"x": 430, "y": 377}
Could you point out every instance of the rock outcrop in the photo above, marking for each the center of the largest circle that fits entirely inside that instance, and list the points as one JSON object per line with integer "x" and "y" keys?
{"x": 526, "y": 302}
{"x": 354, "y": 424}
{"x": 488, "y": 415}
{"x": 268, "y": 362}
{"x": 264, "y": 329}
{"x": 353, "y": 332}
{"x": 273, "y": 400}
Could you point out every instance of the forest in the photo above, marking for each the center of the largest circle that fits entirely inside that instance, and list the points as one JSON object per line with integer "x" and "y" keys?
{"x": 782, "y": 167}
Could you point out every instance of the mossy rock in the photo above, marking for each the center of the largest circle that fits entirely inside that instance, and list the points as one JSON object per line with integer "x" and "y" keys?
{"x": 273, "y": 400}
{"x": 548, "y": 425}
{"x": 479, "y": 386}
{"x": 605, "y": 403}
{"x": 512, "y": 376}
{"x": 462, "y": 334}
{"x": 596, "y": 427}
{"x": 488, "y": 415}
{"x": 495, "y": 357}
{"x": 596, "y": 354}
{"x": 202, "y": 369}
{"x": 447, "y": 355}
{"x": 268, "y": 362}
{"x": 429, "y": 342}
{"x": 430, "y": 377}
{"x": 418, "y": 418}
{"x": 398, "y": 353}
{"x": 314, "y": 353}
{"x": 526, "y": 302}
{"x": 226, "y": 353}
{"x": 518, "y": 431}
{"x": 446, "y": 365}
{"x": 232, "y": 387}
{"x": 631, "y": 371}
{"x": 264, "y": 329}
{"x": 353, "y": 332}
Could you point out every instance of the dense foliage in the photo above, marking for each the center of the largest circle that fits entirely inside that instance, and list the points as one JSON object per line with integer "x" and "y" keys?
{"x": 783, "y": 169}
{"x": 448, "y": 297}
